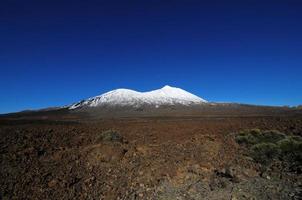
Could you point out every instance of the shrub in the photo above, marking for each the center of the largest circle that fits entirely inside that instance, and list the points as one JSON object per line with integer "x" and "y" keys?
{"x": 109, "y": 136}
{"x": 264, "y": 153}
{"x": 254, "y": 131}
{"x": 297, "y": 138}
{"x": 272, "y": 136}
{"x": 246, "y": 139}
{"x": 291, "y": 150}
{"x": 265, "y": 146}
{"x": 255, "y": 136}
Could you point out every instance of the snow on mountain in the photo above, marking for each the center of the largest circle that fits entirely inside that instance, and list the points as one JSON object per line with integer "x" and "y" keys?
{"x": 125, "y": 97}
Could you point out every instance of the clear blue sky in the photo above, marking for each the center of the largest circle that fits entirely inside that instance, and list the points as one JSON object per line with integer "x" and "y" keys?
{"x": 53, "y": 53}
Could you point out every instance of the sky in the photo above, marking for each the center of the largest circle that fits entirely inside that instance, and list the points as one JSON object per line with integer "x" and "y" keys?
{"x": 54, "y": 53}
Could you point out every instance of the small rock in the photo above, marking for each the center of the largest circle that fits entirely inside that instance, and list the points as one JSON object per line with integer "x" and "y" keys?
{"x": 52, "y": 183}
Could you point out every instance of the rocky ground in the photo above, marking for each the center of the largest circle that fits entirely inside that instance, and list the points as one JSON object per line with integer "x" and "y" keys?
{"x": 142, "y": 158}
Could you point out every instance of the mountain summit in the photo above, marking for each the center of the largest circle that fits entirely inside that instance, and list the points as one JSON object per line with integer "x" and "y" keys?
{"x": 125, "y": 97}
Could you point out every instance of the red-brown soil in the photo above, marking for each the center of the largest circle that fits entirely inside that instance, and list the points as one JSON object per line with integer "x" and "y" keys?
{"x": 158, "y": 158}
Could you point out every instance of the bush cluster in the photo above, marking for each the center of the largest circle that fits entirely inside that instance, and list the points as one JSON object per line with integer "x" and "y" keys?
{"x": 266, "y": 146}
{"x": 109, "y": 136}
{"x": 255, "y": 136}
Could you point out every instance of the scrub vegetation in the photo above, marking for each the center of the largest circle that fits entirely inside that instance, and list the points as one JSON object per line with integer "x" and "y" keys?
{"x": 271, "y": 145}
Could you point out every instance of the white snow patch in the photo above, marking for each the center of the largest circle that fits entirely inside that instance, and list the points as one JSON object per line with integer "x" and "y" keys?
{"x": 165, "y": 96}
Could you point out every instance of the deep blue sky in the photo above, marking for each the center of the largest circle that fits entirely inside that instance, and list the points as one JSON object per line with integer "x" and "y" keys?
{"x": 53, "y": 53}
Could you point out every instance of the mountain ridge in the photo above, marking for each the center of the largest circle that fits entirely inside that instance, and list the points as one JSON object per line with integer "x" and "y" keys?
{"x": 166, "y": 95}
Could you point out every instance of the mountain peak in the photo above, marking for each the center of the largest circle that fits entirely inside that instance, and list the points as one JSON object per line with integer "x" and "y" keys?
{"x": 167, "y": 95}
{"x": 167, "y": 87}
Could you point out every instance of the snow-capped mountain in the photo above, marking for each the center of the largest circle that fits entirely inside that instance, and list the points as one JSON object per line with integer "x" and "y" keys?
{"x": 125, "y": 97}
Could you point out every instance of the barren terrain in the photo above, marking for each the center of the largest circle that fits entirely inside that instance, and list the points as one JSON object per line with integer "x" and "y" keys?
{"x": 142, "y": 158}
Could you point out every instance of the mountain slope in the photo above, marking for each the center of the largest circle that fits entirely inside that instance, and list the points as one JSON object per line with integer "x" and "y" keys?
{"x": 125, "y": 97}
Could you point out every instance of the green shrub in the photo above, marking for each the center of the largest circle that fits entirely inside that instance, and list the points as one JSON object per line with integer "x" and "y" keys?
{"x": 291, "y": 150}
{"x": 272, "y": 136}
{"x": 286, "y": 145}
{"x": 296, "y": 138}
{"x": 109, "y": 136}
{"x": 266, "y": 146}
{"x": 264, "y": 153}
{"x": 254, "y": 131}
{"x": 247, "y": 139}
{"x": 255, "y": 136}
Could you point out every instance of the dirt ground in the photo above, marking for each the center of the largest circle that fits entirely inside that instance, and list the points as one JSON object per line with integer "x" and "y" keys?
{"x": 154, "y": 158}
